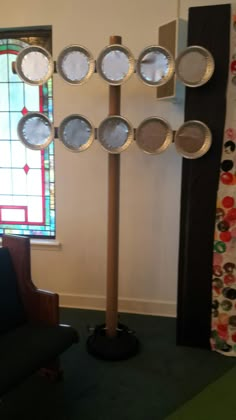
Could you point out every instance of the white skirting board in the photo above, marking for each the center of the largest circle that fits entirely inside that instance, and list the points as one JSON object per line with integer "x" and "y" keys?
{"x": 137, "y": 306}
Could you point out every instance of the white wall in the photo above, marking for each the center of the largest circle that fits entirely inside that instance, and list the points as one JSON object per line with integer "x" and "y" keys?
{"x": 150, "y": 185}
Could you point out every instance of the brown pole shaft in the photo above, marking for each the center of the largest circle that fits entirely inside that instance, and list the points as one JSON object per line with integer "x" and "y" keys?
{"x": 113, "y": 218}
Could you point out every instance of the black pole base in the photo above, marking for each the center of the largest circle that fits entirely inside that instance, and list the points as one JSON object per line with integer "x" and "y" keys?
{"x": 121, "y": 347}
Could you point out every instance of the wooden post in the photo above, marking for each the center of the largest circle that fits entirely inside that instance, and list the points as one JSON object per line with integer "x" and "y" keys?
{"x": 113, "y": 218}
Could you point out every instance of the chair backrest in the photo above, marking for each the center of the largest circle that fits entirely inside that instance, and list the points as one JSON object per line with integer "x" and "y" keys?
{"x": 12, "y": 312}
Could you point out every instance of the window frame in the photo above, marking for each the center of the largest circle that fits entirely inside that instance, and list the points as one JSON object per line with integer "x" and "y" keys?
{"x": 41, "y": 36}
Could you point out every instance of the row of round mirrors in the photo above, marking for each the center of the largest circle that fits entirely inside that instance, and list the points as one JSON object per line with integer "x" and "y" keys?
{"x": 155, "y": 65}
{"x": 115, "y": 133}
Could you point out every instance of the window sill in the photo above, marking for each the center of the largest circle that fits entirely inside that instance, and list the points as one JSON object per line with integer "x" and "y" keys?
{"x": 50, "y": 244}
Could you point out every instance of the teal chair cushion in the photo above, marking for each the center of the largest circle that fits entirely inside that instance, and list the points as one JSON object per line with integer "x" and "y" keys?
{"x": 11, "y": 307}
{"x": 27, "y": 348}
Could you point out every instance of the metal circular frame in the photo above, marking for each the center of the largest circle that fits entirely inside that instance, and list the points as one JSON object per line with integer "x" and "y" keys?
{"x": 22, "y": 55}
{"x": 107, "y": 50}
{"x": 82, "y": 50}
{"x": 210, "y": 65}
{"x": 167, "y": 141}
{"x": 170, "y": 61}
{"x": 128, "y": 141}
{"x": 20, "y": 130}
{"x": 61, "y": 136}
{"x": 204, "y": 148}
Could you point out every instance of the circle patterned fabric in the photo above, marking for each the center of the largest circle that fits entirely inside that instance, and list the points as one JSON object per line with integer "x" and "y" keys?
{"x": 223, "y": 331}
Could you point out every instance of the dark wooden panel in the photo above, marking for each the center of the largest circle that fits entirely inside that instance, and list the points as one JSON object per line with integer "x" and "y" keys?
{"x": 209, "y": 26}
{"x": 167, "y": 39}
{"x": 41, "y": 35}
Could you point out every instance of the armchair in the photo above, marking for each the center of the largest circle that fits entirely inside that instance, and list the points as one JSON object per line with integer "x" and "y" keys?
{"x": 31, "y": 337}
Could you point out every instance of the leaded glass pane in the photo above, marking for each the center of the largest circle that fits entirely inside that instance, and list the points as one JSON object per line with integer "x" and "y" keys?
{"x": 13, "y": 215}
{"x": 34, "y": 182}
{"x": 5, "y": 154}
{"x": 20, "y": 200}
{"x": 31, "y": 97}
{"x": 4, "y": 98}
{"x": 19, "y": 181}
{"x": 17, "y": 154}
{"x": 4, "y": 125}
{"x": 14, "y": 119}
{"x": 27, "y": 204}
{"x": 3, "y": 68}
{"x": 6, "y": 200}
{"x": 35, "y": 211}
{"x": 33, "y": 158}
{"x": 5, "y": 181}
{"x": 16, "y": 94}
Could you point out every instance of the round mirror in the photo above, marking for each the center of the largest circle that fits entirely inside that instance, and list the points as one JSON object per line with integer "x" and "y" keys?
{"x": 76, "y": 133}
{"x": 154, "y": 135}
{"x": 115, "y": 64}
{"x": 34, "y": 65}
{"x": 155, "y": 66}
{"x": 115, "y": 134}
{"x": 75, "y": 64}
{"x": 193, "y": 139}
{"x": 194, "y": 66}
{"x": 35, "y": 131}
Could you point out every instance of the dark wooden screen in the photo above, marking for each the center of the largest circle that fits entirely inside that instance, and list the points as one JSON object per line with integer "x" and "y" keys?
{"x": 208, "y": 26}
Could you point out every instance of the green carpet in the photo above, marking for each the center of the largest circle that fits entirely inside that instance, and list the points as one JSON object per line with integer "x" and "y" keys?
{"x": 216, "y": 402}
{"x": 149, "y": 386}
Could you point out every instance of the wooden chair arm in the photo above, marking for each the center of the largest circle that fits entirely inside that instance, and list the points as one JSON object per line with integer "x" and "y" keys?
{"x": 40, "y": 305}
{"x": 43, "y": 307}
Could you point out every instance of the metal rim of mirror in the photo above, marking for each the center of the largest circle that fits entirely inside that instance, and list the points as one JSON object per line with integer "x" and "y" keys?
{"x": 115, "y": 134}
{"x": 76, "y": 132}
{"x": 154, "y": 135}
{"x": 37, "y": 71}
{"x": 154, "y": 72}
{"x": 194, "y": 66}
{"x": 193, "y": 139}
{"x": 35, "y": 131}
{"x": 81, "y": 66}
{"x": 122, "y": 67}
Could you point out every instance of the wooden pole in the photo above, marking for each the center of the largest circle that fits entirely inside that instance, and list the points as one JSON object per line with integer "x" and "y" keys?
{"x": 113, "y": 218}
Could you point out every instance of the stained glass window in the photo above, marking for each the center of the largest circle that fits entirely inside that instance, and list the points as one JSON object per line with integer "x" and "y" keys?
{"x": 27, "y": 204}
